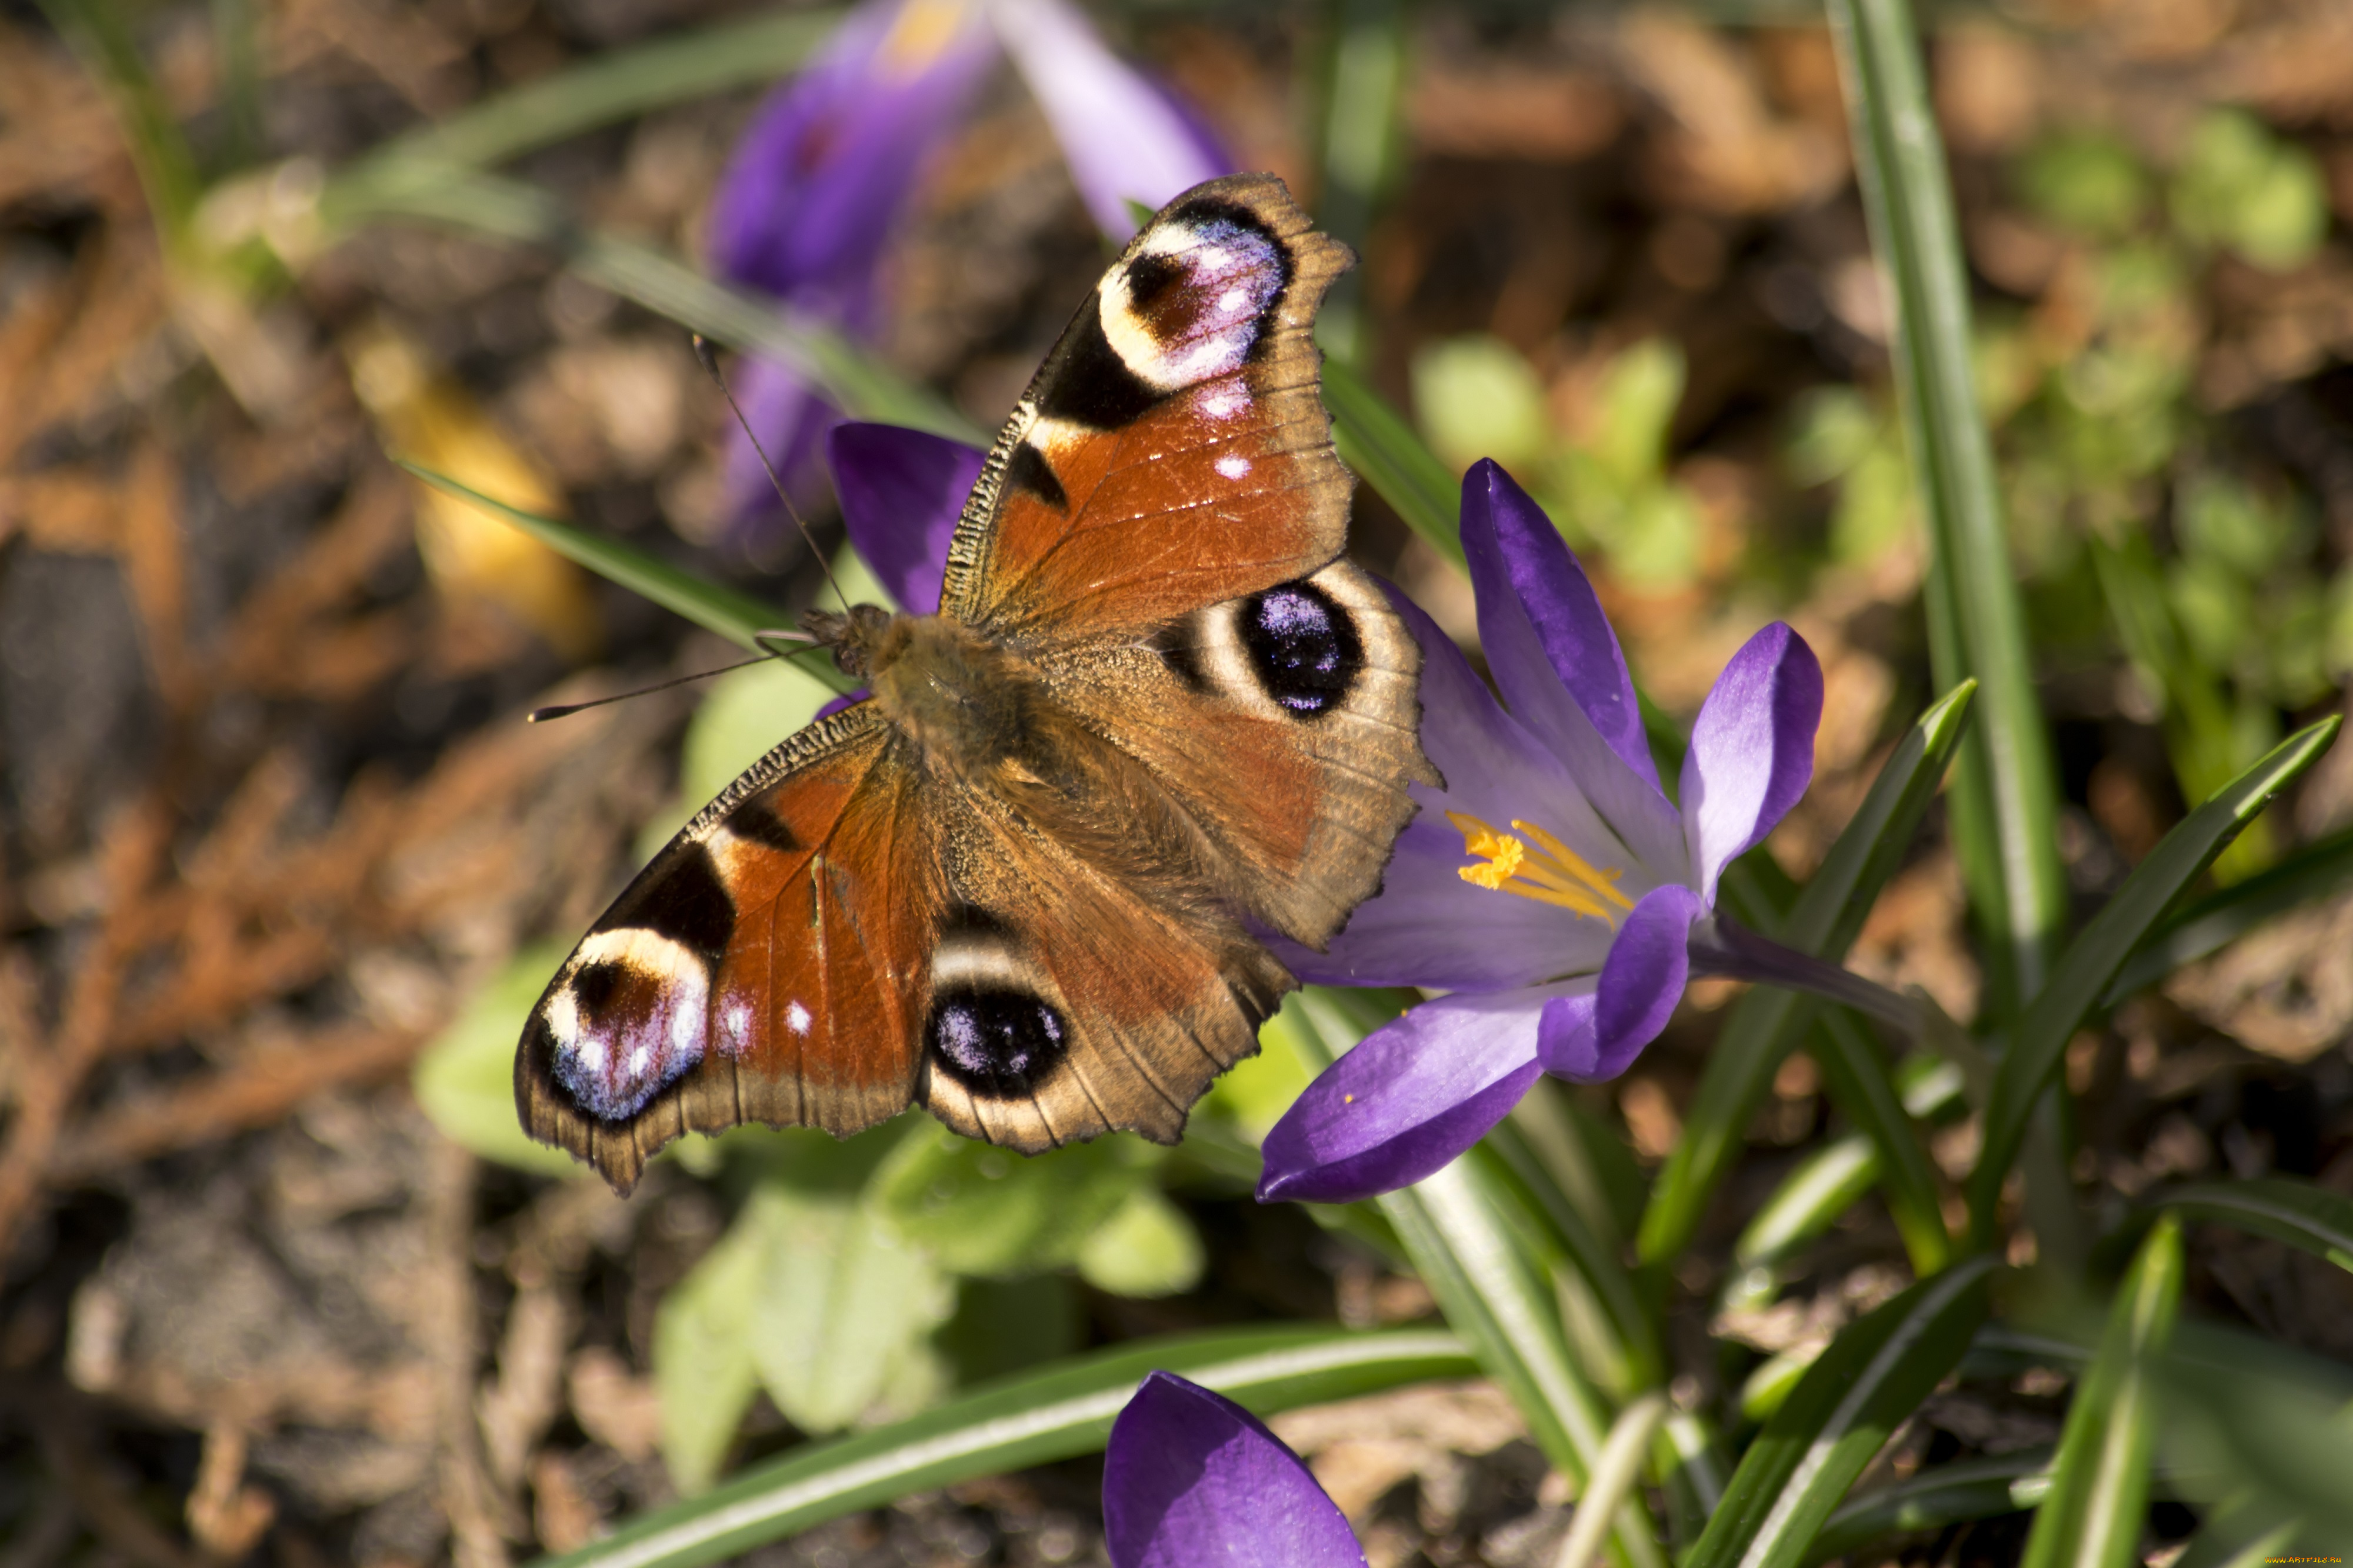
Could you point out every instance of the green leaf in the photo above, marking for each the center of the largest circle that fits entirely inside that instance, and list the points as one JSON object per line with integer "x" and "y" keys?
{"x": 1768, "y": 1023}
{"x": 2317, "y": 871}
{"x": 852, "y": 378}
{"x": 1864, "y": 1092}
{"x": 1055, "y": 1413}
{"x": 1147, "y": 1247}
{"x": 704, "y": 1365}
{"x": 1385, "y": 454}
{"x": 842, "y": 1310}
{"x": 2240, "y": 186}
{"x": 1872, "y": 1378}
{"x": 2298, "y": 1213}
{"x": 1005, "y": 1326}
{"x": 464, "y": 1080}
{"x": 2087, "y": 181}
{"x": 1946, "y": 1494}
{"x": 1479, "y": 397}
{"x": 2099, "y": 1480}
{"x": 2004, "y": 803}
{"x": 615, "y": 85}
{"x": 983, "y": 1210}
{"x": 2091, "y": 961}
{"x": 733, "y": 616}
{"x": 1455, "y": 1228}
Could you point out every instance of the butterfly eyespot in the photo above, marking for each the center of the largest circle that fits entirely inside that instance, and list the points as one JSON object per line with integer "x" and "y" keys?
{"x": 627, "y": 1023}
{"x": 1302, "y": 646}
{"x": 995, "y": 1040}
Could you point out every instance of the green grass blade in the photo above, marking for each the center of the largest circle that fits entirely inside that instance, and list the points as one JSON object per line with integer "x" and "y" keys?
{"x": 1946, "y": 1494}
{"x": 2099, "y": 1480}
{"x": 1375, "y": 441}
{"x": 615, "y": 86}
{"x": 237, "y": 49}
{"x": 1455, "y": 1227}
{"x": 852, "y": 379}
{"x": 1035, "y": 1418}
{"x": 2005, "y": 817}
{"x": 1628, "y": 1342}
{"x": 2267, "y": 1415}
{"x": 2298, "y": 1213}
{"x": 1871, "y": 1378}
{"x": 100, "y": 34}
{"x": 2315, "y": 871}
{"x": 1863, "y": 1090}
{"x": 1809, "y": 1200}
{"x": 1768, "y": 1023}
{"x": 1364, "y": 74}
{"x": 715, "y": 608}
{"x": 2091, "y": 961}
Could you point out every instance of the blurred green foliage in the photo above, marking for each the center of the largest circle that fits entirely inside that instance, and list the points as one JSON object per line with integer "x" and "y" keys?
{"x": 1607, "y": 485}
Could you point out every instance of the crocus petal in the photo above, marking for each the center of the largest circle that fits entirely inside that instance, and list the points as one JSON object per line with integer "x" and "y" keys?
{"x": 901, "y": 491}
{"x": 808, "y": 198}
{"x": 833, "y": 705}
{"x": 1124, "y": 138}
{"x": 1641, "y": 980}
{"x": 1565, "y": 1040}
{"x": 1410, "y": 1096}
{"x": 790, "y": 420}
{"x": 1426, "y": 926}
{"x": 1558, "y": 664}
{"x": 1190, "y": 1478}
{"x": 1752, "y": 751}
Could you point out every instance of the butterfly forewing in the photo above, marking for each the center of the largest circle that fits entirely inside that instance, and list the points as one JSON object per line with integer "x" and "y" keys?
{"x": 1172, "y": 451}
{"x": 758, "y": 969}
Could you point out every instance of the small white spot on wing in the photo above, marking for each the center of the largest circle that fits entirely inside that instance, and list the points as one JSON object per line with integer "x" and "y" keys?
{"x": 1234, "y": 465}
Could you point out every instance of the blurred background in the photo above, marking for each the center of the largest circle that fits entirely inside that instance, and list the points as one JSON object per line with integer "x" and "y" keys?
{"x": 281, "y": 865}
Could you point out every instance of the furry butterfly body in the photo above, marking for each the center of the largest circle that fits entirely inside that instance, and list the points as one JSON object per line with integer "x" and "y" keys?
{"x": 1156, "y": 713}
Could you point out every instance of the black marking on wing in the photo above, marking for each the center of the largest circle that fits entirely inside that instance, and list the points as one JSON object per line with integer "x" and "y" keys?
{"x": 758, "y": 823}
{"x": 1031, "y": 472}
{"x": 995, "y": 1040}
{"x": 688, "y": 905}
{"x": 1302, "y": 647}
{"x": 1092, "y": 386}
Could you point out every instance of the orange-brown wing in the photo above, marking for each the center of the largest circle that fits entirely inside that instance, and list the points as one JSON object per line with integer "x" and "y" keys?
{"x": 1066, "y": 999}
{"x": 1172, "y": 452}
{"x": 1284, "y": 725}
{"x": 763, "y": 967}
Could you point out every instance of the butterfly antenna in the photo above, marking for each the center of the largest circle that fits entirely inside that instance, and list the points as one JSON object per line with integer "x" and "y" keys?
{"x": 565, "y": 710}
{"x": 710, "y": 360}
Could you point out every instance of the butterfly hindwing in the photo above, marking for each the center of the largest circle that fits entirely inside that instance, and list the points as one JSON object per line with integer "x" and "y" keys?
{"x": 1286, "y": 725}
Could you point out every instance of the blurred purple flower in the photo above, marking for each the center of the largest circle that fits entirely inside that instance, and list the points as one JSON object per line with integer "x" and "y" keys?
{"x": 1550, "y": 886}
{"x": 807, "y": 202}
{"x": 1190, "y": 1478}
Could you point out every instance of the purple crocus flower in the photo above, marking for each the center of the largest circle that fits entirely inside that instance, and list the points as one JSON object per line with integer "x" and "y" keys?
{"x": 1191, "y": 1478}
{"x": 807, "y": 202}
{"x": 1550, "y": 886}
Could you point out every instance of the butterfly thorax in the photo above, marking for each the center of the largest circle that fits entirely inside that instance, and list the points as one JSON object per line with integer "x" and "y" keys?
{"x": 959, "y": 696}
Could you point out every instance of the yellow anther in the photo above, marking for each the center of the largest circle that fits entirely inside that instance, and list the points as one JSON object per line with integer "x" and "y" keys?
{"x": 1553, "y": 873}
